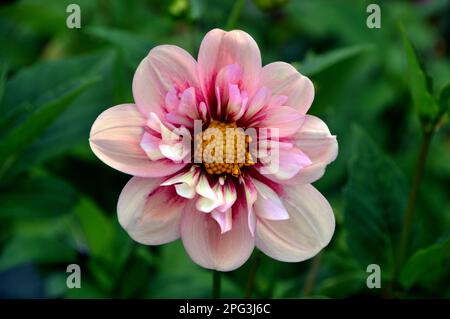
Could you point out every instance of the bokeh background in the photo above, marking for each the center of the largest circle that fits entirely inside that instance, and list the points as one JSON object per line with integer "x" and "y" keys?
{"x": 57, "y": 200}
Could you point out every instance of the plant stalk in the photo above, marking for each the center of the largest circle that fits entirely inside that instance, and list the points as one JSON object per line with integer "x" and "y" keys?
{"x": 252, "y": 275}
{"x": 412, "y": 198}
{"x": 216, "y": 281}
{"x": 310, "y": 281}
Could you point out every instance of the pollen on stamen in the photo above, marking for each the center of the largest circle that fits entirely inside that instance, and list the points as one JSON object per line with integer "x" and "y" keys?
{"x": 223, "y": 149}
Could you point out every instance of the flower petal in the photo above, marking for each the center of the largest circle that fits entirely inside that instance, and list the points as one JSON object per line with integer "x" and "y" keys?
{"x": 316, "y": 141}
{"x": 219, "y": 49}
{"x": 185, "y": 183}
{"x": 150, "y": 213}
{"x": 165, "y": 67}
{"x": 268, "y": 204}
{"x": 204, "y": 189}
{"x": 285, "y": 165}
{"x": 150, "y": 144}
{"x": 224, "y": 219}
{"x": 208, "y": 247}
{"x": 309, "y": 228}
{"x": 251, "y": 195}
{"x": 115, "y": 139}
{"x": 282, "y": 78}
{"x": 287, "y": 120}
{"x": 260, "y": 101}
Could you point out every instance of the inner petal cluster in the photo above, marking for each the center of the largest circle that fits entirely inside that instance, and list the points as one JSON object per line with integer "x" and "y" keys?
{"x": 223, "y": 148}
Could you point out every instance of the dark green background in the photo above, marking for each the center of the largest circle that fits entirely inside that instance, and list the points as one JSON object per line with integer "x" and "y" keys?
{"x": 57, "y": 200}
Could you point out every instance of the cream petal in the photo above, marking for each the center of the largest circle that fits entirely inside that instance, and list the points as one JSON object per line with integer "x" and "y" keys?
{"x": 207, "y": 205}
{"x": 150, "y": 213}
{"x": 268, "y": 204}
{"x": 309, "y": 228}
{"x": 209, "y": 247}
{"x": 115, "y": 138}
{"x": 204, "y": 189}
{"x": 224, "y": 219}
{"x": 316, "y": 141}
{"x": 150, "y": 144}
{"x": 185, "y": 183}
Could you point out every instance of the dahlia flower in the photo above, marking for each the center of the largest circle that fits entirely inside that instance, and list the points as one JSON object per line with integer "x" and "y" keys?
{"x": 249, "y": 190}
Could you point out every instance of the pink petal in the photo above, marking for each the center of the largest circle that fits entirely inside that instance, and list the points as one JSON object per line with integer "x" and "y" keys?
{"x": 286, "y": 119}
{"x": 282, "y": 78}
{"x": 290, "y": 162}
{"x": 268, "y": 204}
{"x": 260, "y": 101}
{"x": 229, "y": 74}
{"x": 309, "y": 228}
{"x": 150, "y": 144}
{"x": 316, "y": 141}
{"x": 188, "y": 103}
{"x": 224, "y": 219}
{"x": 219, "y": 49}
{"x": 115, "y": 139}
{"x": 229, "y": 196}
{"x": 251, "y": 195}
{"x": 150, "y": 213}
{"x": 185, "y": 183}
{"x": 172, "y": 101}
{"x": 166, "y": 67}
{"x": 208, "y": 247}
{"x": 234, "y": 102}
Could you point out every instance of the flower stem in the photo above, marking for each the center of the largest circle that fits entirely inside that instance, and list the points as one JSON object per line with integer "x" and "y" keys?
{"x": 312, "y": 275}
{"x": 235, "y": 14}
{"x": 252, "y": 275}
{"x": 216, "y": 284}
{"x": 409, "y": 211}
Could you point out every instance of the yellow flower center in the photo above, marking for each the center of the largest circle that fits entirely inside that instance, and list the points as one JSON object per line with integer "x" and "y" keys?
{"x": 223, "y": 148}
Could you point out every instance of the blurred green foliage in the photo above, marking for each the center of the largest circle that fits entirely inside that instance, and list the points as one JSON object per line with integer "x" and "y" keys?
{"x": 57, "y": 201}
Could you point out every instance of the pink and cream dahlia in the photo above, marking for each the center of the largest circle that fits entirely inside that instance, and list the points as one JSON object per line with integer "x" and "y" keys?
{"x": 222, "y": 201}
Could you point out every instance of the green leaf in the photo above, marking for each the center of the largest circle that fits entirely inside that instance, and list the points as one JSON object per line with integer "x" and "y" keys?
{"x": 344, "y": 285}
{"x": 22, "y": 136}
{"x": 444, "y": 98}
{"x": 428, "y": 266}
{"x": 97, "y": 228}
{"x": 175, "y": 267}
{"x": 3, "y": 71}
{"x": 375, "y": 197}
{"x": 133, "y": 47}
{"x": 8, "y": 120}
{"x": 419, "y": 83}
{"x": 315, "y": 64}
{"x": 36, "y": 198}
{"x": 39, "y": 250}
{"x": 46, "y": 81}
